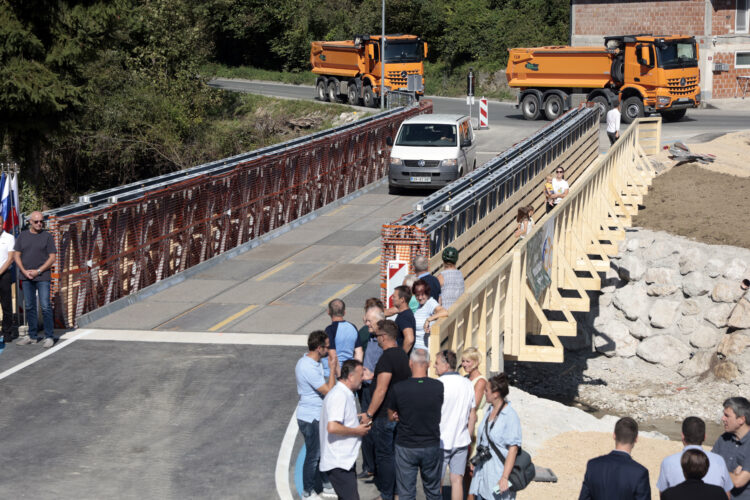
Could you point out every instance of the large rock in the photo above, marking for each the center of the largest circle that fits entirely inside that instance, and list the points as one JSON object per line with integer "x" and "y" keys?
{"x": 718, "y": 315}
{"x": 661, "y": 290}
{"x": 663, "y": 349}
{"x": 632, "y": 245}
{"x": 664, "y": 313}
{"x": 705, "y": 337}
{"x": 632, "y": 302}
{"x": 726, "y": 291}
{"x": 697, "y": 365}
{"x": 735, "y": 271}
{"x": 734, "y": 344}
{"x": 661, "y": 276}
{"x": 691, "y": 260}
{"x": 640, "y": 330}
{"x": 659, "y": 250}
{"x": 726, "y": 370}
{"x": 688, "y": 324}
{"x": 740, "y": 315}
{"x": 631, "y": 268}
{"x": 695, "y": 284}
{"x": 615, "y": 340}
{"x": 714, "y": 267}
{"x": 690, "y": 307}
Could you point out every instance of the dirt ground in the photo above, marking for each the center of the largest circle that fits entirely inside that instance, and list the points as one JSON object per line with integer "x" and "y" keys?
{"x": 708, "y": 203}
{"x": 567, "y": 454}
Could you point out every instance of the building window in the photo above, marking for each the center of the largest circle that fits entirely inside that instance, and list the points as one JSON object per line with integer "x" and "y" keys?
{"x": 741, "y": 19}
{"x": 741, "y": 60}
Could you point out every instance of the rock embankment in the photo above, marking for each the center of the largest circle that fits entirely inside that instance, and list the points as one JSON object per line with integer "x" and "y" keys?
{"x": 670, "y": 333}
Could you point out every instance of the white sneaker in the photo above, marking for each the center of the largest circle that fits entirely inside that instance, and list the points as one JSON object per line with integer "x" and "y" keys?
{"x": 48, "y": 342}
{"x": 25, "y": 340}
{"x": 311, "y": 496}
{"x": 329, "y": 492}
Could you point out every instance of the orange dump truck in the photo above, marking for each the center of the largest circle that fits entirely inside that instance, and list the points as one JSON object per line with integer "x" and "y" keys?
{"x": 647, "y": 74}
{"x": 351, "y": 70}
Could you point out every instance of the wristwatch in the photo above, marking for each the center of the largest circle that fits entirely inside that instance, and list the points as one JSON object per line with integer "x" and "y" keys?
{"x": 368, "y": 415}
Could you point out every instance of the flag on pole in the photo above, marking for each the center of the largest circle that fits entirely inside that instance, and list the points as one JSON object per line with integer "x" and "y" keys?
{"x": 10, "y": 215}
{"x": 16, "y": 206}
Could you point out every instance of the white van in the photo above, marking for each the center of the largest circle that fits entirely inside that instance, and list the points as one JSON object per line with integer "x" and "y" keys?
{"x": 431, "y": 151}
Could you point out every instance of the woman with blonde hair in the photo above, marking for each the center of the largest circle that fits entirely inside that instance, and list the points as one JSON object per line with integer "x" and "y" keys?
{"x": 471, "y": 359}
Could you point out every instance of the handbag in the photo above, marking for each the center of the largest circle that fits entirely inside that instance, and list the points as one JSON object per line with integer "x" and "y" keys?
{"x": 523, "y": 471}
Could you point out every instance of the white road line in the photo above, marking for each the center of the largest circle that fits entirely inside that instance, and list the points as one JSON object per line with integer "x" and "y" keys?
{"x": 264, "y": 339}
{"x": 284, "y": 460}
{"x": 51, "y": 350}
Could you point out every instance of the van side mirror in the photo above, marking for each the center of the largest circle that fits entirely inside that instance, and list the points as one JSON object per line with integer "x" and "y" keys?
{"x": 389, "y": 141}
{"x": 466, "y": 143}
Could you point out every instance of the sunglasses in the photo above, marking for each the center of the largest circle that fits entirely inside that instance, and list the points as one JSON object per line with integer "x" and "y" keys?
{"x": 40, "y": 221}
{"x": 559, "y": 171}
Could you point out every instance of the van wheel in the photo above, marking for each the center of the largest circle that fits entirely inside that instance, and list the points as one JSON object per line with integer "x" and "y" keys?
{"x": 352, "y": 95}
{"x": 530, "y": 107}
{"x": 632, "y": 108}
{"x": 333, "y": 91}
{"x": 392, "y": 189}
{"x": 321, "y": 91}
{"x": 553, "y": 107}
{"x": 368, "y": 96}
{"x": 601, "y": 101}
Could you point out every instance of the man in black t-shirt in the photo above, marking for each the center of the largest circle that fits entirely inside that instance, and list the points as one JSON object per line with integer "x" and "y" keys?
{"x": 391, "y": 368}
{"x": 405, "y": 321}
{"x": 416, "y": 405}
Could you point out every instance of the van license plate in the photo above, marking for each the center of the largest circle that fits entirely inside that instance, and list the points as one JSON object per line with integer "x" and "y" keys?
{"x": 421, "y": 179}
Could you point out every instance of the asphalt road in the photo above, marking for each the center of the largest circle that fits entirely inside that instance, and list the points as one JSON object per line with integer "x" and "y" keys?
{"x": 507, "y": 125}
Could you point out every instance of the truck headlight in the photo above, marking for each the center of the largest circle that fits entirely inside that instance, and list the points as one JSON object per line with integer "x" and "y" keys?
{"x": 663, "y": 101}
{"x": 450, "y": 163}
{"x": 396, "y": 161}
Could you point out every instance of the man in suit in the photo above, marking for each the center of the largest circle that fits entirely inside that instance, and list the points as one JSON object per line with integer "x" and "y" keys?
{"x": 694, "y": 466}
{"x": 617, "y": 476}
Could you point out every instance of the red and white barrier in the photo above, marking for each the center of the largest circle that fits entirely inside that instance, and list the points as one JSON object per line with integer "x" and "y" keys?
{"x": 483, "y": 113}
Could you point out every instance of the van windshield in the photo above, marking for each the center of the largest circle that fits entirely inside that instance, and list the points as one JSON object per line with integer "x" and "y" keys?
{"x": 427, "y": 134}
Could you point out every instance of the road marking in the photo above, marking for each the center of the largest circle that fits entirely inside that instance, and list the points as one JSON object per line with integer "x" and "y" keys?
{"x": 157, "y": 327}
{"x": 375, "y": 260}
{"x": 260, "y": 339}
{"x": 232, "y": 318}
{"x": 285, "y": 458}
{"x": 359, "y": 258}
{"x": 338, "y": 294}
{"x": 334, "y": 212}
{"x": 274, "y": 270}
{"x": 48, "y": 352}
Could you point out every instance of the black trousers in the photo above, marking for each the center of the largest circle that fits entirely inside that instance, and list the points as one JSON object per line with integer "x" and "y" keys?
{"x": 344, "y": 482}
{"x": 612, "y": 137}
{"x": 368, "y": 445}
{"x": 6, "y": 301}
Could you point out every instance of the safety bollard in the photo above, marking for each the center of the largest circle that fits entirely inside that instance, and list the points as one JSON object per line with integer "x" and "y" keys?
{"x": 483, "y": 113}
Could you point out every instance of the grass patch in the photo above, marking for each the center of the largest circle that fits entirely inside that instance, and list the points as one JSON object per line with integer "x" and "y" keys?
{"x": 250, "y": 73}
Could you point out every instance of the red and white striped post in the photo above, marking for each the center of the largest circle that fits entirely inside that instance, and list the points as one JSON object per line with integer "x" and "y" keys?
{"x": 483, "y": 114}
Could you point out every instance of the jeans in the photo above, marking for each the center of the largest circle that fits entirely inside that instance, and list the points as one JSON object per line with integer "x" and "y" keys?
{"x": 30, "y": 289}
{"x": 368, "y": 445}
{"x": 312, "y": 478}
{"x": 383, "y": 432}
{"x": 428, "y": 461}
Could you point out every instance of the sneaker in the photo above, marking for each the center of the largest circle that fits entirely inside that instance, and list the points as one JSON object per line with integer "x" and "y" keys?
{"x": 365, "y": 474}
{"x": 25, "y": 340}
{"x": 329, "y": 492}
{"x": 48, "y": 342}
{"x": 310, "y": 496}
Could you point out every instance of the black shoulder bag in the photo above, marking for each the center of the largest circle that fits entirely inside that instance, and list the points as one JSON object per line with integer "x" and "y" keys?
{"x": 523, "y": 471}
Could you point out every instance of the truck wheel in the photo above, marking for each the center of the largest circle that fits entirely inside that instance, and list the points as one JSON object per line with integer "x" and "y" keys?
{"x": 352, "y": 95}
{"x": 674, "y": 115}
{"x": 553, "y": 107}
{"x": 368, "y": 96}
{"x": 321, "y": 92}
{"x": 602, "y": 102}
{"x": 333, "y": 91}
{"x": 530, "y": 107}
{"x": 632, "y": 108}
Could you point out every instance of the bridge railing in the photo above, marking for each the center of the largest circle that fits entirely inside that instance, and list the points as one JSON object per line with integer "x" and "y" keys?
{"x": 511, "y": 311}
{"x": 111, "y": 251}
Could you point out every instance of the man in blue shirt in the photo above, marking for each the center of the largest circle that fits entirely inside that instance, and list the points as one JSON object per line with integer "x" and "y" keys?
{"x": 343, "y": 336}
{"x": 693, "y": 435}
{"x": 312, "y": 387}
{"x": 734, "y": 445}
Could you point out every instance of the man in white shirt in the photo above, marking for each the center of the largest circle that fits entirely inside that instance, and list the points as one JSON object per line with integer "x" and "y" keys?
{"x": 7, "y": 242}
{"x": 341, "y": 431}
{"x": 613, "y": 124}
{"x": 693, "y": 435}
{"x": 457, "y": 419}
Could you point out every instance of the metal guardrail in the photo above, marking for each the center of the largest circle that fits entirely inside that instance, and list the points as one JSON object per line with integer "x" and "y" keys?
{"x": 162, "y": 226}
